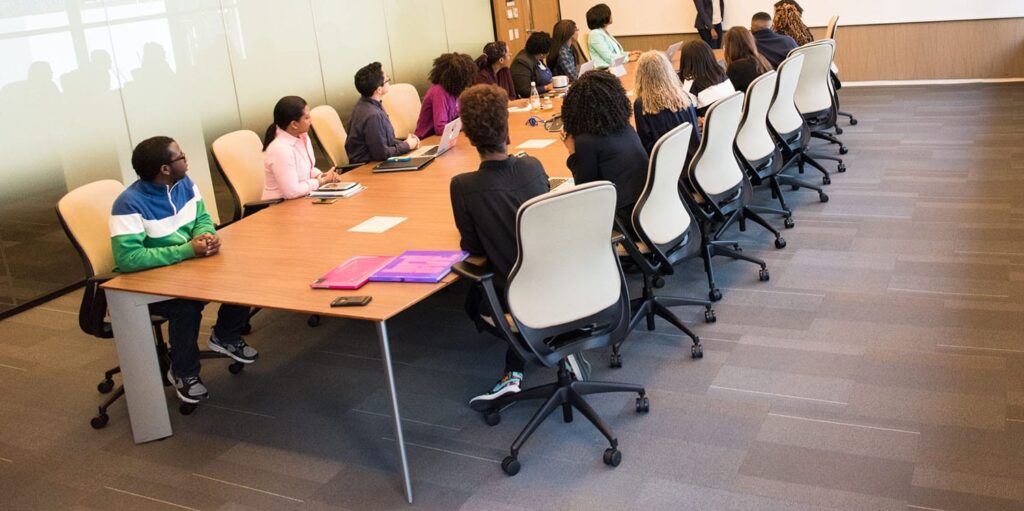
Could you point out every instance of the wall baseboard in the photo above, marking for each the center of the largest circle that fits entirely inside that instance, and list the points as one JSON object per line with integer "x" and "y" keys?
{"x": 888, "y": 83}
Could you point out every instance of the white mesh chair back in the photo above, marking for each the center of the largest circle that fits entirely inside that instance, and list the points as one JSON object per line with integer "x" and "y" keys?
{"x": 239, "y": 156}
{"x": 814, "y": 89}
{"x": 782, "y": 114}
{"x": 715, "y": 167}
{"x": 402, "y": 104}
{"x": 567, "y": 268}
{"x": 329, "y": 131}
{"x": 85, "y": 214}
{"x": 753, "y": 140}
{"x": 661, "y": 215}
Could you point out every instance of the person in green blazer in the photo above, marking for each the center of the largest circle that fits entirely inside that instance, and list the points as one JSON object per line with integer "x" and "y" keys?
{"x": 602, "y": 46}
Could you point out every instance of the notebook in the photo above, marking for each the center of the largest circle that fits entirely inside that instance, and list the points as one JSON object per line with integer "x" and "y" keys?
{"x": 403, "y": 163}
{"x": 342, "y": 189}
{"x": 419, "y": 266}
{"x": 351, "y": 274}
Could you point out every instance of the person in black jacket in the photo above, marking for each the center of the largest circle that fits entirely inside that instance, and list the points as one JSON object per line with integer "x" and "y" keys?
{"x": 661, "y": 103}
{"x": 709, "y": 21}
{"x": 602, "y": 144}
{"x": 743, "y": 62}
{"x": 773, "y": 46}
{"x": 529, "y": 65}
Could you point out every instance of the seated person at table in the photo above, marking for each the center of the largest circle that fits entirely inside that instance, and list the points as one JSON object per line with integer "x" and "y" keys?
{"x": 788, "y": 22}
{"x": 564, "y": 57}
{"x": 288, "y": 162}
{"x": 371, "y": 136}
{"x": 602, "y": 144}
{"x": 661, "y": 103}
{"x": 702, "y": 76}
{"x": 451, "y": 74}
{"x": 743, "y": 62}
{"x": 485, "y": 203}
{"x": 528, "y": 66}
{"x": 161, "y": 220}
{"x": 773, "y": 46}
{"x": 492, "y": 68}
{"x": 603, "y": 47}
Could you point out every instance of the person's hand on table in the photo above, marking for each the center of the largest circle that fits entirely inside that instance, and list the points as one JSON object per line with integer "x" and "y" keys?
{"x": 413, "y": 141}
{"x": 570, "y": 143}
{"x": 205, "y": 245}
{"x": 327, "y": 177}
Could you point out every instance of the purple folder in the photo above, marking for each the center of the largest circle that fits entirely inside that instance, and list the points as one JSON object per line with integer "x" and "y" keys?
{"x": 419, "y": 266}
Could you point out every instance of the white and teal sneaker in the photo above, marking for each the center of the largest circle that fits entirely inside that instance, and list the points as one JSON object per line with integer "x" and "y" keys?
{"x": 511, "y": 383}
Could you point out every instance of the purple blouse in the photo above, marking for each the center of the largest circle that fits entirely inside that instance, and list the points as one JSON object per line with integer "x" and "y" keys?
{"x": 439, "y": 108}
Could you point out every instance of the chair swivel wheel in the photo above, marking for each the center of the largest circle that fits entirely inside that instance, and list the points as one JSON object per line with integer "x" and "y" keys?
{"x": 794, "y": 187}
{"x": 823, "y": 197}
{"x": 247, "y": 329}
{"x": 827, "y": 180}
{"x": 615, "y": 361}
{"x": 843, "y": 149}
{"x": 788, "y": 223}
{"x": 714, "y": 295}
{"x": 313, "y": 321}
{"x": 839, "y": 131}
{"x": 763, "y": 275}
{"x": 187, "y": 408}
{"x": 696, "y": 351}
{"x": 780, "y": 242}
{"x": 853, "y": 122}
{"x": 658, "y": 282}
{"x": 612, "y": 457}
{"x": 105, "y": 386}
{"x": 841, "y": 167}
{"x": 737, "y": 247}
{"x": 236, "y": 367}
{"x": 100, "y": 421}
{"x": 510, "y": 465}
{"x": 492, "y": 418}
{"x": 709, "y": 316}
{"x": 643, "y": 404}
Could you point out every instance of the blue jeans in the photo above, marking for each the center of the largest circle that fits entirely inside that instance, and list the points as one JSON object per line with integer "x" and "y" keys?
{"x": 183, "y": 318}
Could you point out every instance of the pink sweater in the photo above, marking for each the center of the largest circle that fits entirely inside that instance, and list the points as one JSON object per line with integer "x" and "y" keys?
{"x": 439, "y": 108}
{"x": 289, "y": 167}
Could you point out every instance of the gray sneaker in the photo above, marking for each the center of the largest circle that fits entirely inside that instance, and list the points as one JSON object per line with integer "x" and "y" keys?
{"x": 190, "y": 389}
{"x": 238, "y": 350}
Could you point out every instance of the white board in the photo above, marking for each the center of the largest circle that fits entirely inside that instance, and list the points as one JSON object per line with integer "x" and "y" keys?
{"x": 649, "y": 17}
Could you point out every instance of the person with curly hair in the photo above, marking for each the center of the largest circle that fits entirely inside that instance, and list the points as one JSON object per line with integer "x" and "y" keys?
{"x": 788, "y": 22}
{"x": 602, "y": 144}
{"x": 701, "y": 75}
{"x": 485, "y": 203}
{"x": 452, "y": 73}
{"x": 529, "y": 67}
{"x": 743, "y": 62}
{"x": 661, "y": 103}
{"x": 492, "y": 68}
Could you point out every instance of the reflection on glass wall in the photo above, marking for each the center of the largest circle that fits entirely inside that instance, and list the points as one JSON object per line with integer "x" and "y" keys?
{"x": 83, "y": 81}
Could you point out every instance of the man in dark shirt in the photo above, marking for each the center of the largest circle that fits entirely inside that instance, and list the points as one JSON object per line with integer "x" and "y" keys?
{"x": 772, "y": 45}
{"x": 485, "y": 203}
{"x": 371, "y": 137}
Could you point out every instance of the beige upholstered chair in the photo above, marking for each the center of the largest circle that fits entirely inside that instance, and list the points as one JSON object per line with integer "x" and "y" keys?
{"x": 402, "y": 104}
{"x": 330, "y": 134}
{"x": 238, "y": 156}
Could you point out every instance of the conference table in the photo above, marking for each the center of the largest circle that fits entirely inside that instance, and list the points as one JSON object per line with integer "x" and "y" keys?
{"x": 257, "y": 266}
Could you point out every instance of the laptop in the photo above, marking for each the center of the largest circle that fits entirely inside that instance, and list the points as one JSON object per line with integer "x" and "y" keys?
{"x": 617, "y": 66}
{"x": 671, "y": 51}
{"x": 448, "y": 138}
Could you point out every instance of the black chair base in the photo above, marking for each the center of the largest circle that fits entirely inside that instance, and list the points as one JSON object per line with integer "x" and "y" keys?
{"x": 566, "y": 394}
{"x": 313, "y": 321}
{"x": 714, "y": 248}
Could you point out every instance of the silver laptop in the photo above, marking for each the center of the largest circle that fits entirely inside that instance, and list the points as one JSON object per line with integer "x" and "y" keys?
{"x": 448, "y": 138}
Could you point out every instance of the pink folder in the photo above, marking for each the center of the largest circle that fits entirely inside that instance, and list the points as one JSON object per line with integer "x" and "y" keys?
{"x": 351, "y": 274}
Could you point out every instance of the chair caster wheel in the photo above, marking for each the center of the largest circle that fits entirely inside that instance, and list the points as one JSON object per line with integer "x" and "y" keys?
{"x": 696, "y": 351}
{"x": 839, "y": 131}
{"x": 843, "y": 149}
{"x": 612, "y": 457}
{"x": 826, "y": 180}
{"x": 853, "y": 122}
{"x": 100, "y": 421}
{"x": 105, "y": 386}
{"x": 763, "y": 275}
{"x": 709, "y": 316}
{"x": 658, "y": 282}
{"x": 714, "y": 295}
{"x": 841, "y": 167}
{"x": 247, "y": 329}
{"x": 737, "y": 247}
{"x": 313, "y": 321}
{"x": 794, "y": 187}
{"x": 780, "y": 243}
{"x": 187, "y": 408}
{"x": 643, "y": 405}
{"x": 510, "y": 465}
{"x": 822, "y": 197}
{"x": 788, "y": 223}
{"x": 492, "y": 418}
{"x": 615, "y": 362}
{"x": 236, "y": 367}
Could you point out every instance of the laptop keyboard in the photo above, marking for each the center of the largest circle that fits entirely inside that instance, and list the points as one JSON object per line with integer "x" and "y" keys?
{"x": 431, "y": 152}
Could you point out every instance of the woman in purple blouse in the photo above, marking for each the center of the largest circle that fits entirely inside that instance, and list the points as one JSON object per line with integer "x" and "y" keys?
{"x": 452, "y": 73}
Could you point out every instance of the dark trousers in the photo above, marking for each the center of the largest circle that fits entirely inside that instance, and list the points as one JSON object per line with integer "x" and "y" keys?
{"x": 183, "y": 318}
{"x": 705, "y": 34}
{"x": 476, "y": 306}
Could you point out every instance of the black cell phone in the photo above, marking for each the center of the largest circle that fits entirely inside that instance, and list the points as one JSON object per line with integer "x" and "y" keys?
{"x": 351, "y": 301}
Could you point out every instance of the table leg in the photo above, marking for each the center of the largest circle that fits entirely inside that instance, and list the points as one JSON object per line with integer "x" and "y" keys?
{"x": 140, "y": 369}
{"x": 385, "y": 350}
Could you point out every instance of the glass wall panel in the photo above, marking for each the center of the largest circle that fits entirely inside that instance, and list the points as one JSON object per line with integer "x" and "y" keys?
{"x": 466, "y": 27}
{"x": 417, "y": 35}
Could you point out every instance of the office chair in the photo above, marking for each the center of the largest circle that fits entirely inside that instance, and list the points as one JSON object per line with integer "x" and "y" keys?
{"x": 666, "y": 234}
{"x": 327, "y": 131}
{"x": 755, "y": 148}
{"x": 830, "y": 33}
{"x": 566, "y": 293}
{"x": 238, "y": 157}
{"x": 716, "y": 189}
{"x": 584, "y": 40}
{"x": 84, "y": 214}
{"x": 790, "y": 130}
{"x": 815, "y": 96}
{"x": 402, "y": 104}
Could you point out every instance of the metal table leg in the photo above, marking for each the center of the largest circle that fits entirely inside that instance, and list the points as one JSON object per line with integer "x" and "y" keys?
{"x": 385, "y": 350}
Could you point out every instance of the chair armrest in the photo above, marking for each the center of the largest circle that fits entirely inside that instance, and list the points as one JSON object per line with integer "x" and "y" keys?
{"x": 484, "y": 277}
{"x": 341, "y": 169}
{"x": 100, "y": 279}
{"x": 251, "y": 207}
{"x": 474, "y": 272}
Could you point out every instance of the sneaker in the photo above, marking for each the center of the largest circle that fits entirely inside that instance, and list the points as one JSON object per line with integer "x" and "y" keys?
{"x": 190, "y": 389}
{"x": 237, "y": 350}
{"x": 578, "y": 366}
{"x": 509, "y": 384}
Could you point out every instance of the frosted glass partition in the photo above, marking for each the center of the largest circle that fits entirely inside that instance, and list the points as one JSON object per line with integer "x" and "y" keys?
{"x": 83, "y": 81}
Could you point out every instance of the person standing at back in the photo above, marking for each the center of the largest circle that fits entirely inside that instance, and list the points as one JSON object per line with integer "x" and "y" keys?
{"x": 451, "y": 74}
{"x": 371, "y": 136}
{"x": 289, "y": 166}
{"x": 709, "y": 21}
{"x": 773, "y": 46}
{"x": 743, "y": 62}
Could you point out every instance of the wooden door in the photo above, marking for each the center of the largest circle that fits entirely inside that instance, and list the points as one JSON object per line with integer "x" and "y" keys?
{"x": 543, "y": 14}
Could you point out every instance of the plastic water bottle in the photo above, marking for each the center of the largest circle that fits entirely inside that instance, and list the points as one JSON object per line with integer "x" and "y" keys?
{"x": 534, "y": 97}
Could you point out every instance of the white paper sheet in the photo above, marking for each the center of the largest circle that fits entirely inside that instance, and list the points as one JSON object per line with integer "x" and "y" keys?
{"x": 536, "y": 143}
{"x": 519, "y": 108}
{"x": 378, "y": 224}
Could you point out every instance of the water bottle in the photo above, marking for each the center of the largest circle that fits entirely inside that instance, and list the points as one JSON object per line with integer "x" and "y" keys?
{"x": 534, "y": 97}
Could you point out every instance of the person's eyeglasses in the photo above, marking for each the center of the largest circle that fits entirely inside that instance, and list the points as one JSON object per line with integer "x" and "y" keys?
{"x": 182, "y": 157}
{"x": 387, "y": 80}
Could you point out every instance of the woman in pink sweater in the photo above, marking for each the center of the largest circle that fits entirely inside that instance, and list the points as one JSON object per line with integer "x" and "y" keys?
{"x": 288, "y": 162}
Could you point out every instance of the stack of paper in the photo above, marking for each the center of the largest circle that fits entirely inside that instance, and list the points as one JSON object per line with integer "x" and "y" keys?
{"x": 343, "y": 189}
